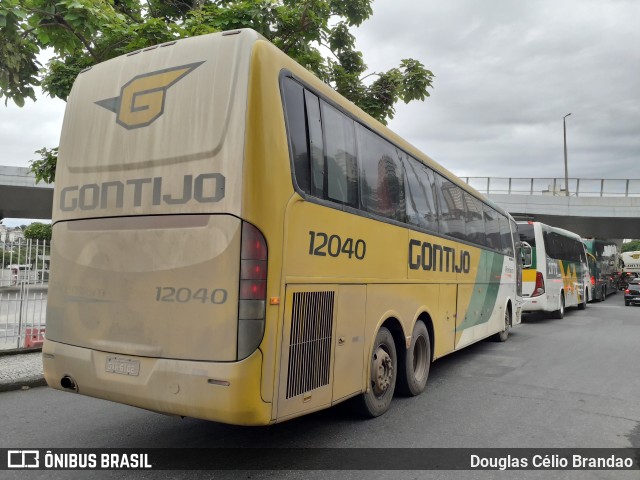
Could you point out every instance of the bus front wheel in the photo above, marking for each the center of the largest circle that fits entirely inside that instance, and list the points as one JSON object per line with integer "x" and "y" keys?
{"x": 413, "y": 367}
{"x": 383, "y": 372}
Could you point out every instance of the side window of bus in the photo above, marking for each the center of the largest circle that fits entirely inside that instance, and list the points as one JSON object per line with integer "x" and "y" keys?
{"x": 293, "y": 94}
{"x": 475, "y": 219}
{"x": 450, "y": 208}
{"x": 505, "y": 233}
{"x": 515, "y": 237}
{"x": 381, "y": 178}
{"x": 492, "y": 227}
{"x": 316, "y": 145}
{"x": 420, "y": 186}
{"x": 341, "y": 168}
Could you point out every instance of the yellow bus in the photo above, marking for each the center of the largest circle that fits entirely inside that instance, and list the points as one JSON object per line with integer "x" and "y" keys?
{"x": 235, "y": 241}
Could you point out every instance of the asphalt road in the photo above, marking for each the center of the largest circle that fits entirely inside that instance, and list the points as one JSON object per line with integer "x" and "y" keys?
{"x": 571, "y": 383}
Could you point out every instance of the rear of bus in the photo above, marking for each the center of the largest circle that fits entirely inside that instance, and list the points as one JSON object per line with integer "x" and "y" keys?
{"x": 158, "y": 284}
{"x": 535, "y": 274}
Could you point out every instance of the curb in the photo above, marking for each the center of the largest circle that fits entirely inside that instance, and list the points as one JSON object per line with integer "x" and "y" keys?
{"x": 19, "y": 351}
{"x": 25, "y": 384}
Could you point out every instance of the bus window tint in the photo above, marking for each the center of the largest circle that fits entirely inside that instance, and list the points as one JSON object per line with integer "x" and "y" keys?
{"x": 382, "y": 182}
{"x": 505, "y": 233}
{"x": 340, "y": 155}
{"x": 421, "y": 206}
{"x": 514, "y": 237}
{"x": 296, "y": 123}
{"x": 451, "y": 208}
{"x": 316, "y": 145}
{"x": 492, "y": 228}
{"x": 475, "y": 219}
{"x": 560, "y": 247}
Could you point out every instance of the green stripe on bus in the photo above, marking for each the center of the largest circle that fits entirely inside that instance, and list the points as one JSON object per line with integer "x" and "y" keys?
{"x": 484, "y": 301}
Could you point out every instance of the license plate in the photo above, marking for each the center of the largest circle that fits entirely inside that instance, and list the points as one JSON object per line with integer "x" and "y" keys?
{"x": 123, "y": 366}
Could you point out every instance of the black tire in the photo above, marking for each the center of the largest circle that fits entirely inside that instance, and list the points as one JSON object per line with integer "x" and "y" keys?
{"x": 559, "y": 314}
{"x": 585, "y": 299}
{"x": 413, "y": 366}
{"x": 503, "y": 335}
{"x": 626, "y": 303}
{"x": 383, "y": 373}
{"x": 604, "y": 294}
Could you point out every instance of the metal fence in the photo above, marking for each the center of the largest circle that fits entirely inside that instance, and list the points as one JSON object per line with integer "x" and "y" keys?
{"x": 578, "y": 187}
{"x": 24, "y": 281}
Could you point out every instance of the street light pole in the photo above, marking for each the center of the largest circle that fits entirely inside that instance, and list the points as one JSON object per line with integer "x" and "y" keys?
{"x": 566, "y": 168}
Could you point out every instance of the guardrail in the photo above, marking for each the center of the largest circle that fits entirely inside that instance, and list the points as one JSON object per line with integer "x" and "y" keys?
{"x": 578, "y": 187}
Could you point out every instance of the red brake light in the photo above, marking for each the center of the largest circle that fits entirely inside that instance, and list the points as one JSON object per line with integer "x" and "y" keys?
{"x": 593, "y": 280}
{"x": 253, "y": 290}
{"x": 539, "y": 288}
{"x": 254, "y": 246}
{"x": 253, "y": 264}
{"x": 626, "y": 291}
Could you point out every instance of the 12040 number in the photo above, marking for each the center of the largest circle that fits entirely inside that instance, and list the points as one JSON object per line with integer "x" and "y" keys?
{"x": 184, "y": 295}
{"x": 321, "y": 244}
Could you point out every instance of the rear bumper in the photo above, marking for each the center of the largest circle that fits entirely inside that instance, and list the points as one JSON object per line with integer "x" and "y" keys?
{"x": 632, "y": 298}
{"x": 536, "y": 304}
{"x": 222, "y": 392}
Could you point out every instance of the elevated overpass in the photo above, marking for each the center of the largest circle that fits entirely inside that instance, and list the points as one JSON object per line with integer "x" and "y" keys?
{"x": 21, "y": 197}
{"x": 598, "y": 208}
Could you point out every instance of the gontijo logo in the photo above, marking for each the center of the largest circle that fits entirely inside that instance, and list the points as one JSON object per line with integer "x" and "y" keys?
{"x": 141, "y": 100}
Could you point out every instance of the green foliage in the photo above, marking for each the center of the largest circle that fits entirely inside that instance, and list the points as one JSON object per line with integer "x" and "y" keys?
{"x": 631, "y": 246}
{"x": 85, "y": 32}
{"x": 13, "y": 257}
{"x": 45, "y": 168}
{"x": 38, "y": 231}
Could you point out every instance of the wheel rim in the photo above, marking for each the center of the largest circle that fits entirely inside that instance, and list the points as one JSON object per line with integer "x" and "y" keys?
{"x": 420, "y": 359}
{"x": 381, "y": 371}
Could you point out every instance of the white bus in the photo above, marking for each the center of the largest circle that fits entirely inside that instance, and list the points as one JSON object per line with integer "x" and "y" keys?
{"x": 631, "y": 261}
{"x": 555, "y": 273}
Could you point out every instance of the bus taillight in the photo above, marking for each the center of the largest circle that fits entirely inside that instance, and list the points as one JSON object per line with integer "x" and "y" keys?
{"x": 593, "y": 280}
{"x": 253, "y": 290}
{"x": 539, "y": 288}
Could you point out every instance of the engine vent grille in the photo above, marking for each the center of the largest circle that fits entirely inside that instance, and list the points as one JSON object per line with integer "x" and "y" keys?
{"x": 310, "y": 343}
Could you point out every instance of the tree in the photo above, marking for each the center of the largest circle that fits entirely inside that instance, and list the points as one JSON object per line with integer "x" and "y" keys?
{"x": 38, "y": 231}
{"x": 631, "y": 246}
{"x": 85, "y": 32}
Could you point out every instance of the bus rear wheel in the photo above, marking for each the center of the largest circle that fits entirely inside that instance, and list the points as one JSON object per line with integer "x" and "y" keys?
{"x": 382, "y": 380}
{"x": 413, "y": 367}
{"x": 559, "y": 314}
{"x": 585, "y": 299}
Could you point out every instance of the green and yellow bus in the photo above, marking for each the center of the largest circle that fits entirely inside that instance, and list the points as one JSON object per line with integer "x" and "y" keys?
{"x": 235, "y": 241}
{"x": 555, "y": 272}
{"x": 604, "y": 273}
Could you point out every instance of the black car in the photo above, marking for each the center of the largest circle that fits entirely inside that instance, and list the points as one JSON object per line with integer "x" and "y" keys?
{"x": 632, "y": 293}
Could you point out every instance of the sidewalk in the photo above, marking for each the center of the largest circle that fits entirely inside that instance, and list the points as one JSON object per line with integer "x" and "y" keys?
{"x": 20, "y": 370}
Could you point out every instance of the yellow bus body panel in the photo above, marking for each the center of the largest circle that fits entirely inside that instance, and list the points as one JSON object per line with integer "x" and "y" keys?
{"x": 224, "y": 392}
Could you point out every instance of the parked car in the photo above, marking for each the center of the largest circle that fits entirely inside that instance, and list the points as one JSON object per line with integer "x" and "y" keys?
{"x": 623, "y": 280}
{"x": 632, "y": 293}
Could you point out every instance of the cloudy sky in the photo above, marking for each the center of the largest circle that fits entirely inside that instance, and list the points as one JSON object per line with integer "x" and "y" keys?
{"x": 506, "y": 73}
